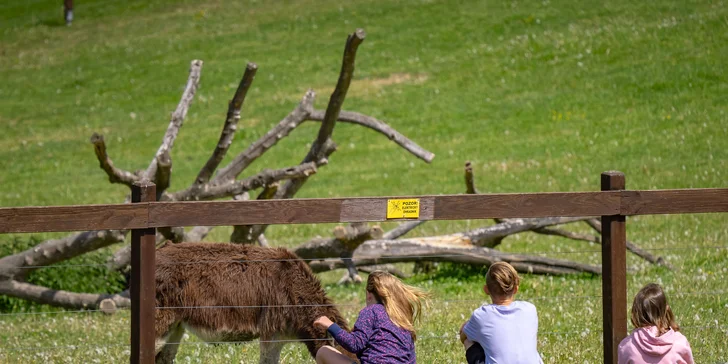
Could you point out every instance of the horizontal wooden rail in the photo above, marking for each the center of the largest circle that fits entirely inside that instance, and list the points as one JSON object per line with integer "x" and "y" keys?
{"x": 687, "y": 201}
{"x": 73, "y": 218}
{"x": 444, "y": 207}
{"x": 332, "y": 210}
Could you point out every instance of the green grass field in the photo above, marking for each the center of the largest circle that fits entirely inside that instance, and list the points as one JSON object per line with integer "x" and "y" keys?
{"x": 539, "y": 95}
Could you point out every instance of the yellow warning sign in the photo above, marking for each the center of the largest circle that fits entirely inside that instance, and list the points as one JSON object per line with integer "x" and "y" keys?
{"x": 403, "y": 209}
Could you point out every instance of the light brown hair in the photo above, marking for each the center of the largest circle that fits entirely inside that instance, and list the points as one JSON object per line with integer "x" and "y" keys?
{"x": 403, "y": 303}
{"x": 502, "y": 279}
{"x": 650, "y": 308}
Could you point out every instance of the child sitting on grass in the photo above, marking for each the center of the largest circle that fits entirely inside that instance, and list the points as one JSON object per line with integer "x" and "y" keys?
{"x": 655, "y": 338}
{"x": 384, "y": 331}
{"x": 505, "y": 331}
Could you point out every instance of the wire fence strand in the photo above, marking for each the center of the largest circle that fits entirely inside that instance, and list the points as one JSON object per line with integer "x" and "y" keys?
{"x": 335, "y": 260}
{"x": 445, "y": 302}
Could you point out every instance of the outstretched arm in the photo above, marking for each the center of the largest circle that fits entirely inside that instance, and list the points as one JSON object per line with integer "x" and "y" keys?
{"x": 354, "y": 341}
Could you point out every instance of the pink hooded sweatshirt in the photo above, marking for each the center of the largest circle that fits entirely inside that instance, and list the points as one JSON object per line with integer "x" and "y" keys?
{"x": 644, "y": 347}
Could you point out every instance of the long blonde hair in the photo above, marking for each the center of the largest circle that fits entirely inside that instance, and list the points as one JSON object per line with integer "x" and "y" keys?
{"x": 403, "y": 303}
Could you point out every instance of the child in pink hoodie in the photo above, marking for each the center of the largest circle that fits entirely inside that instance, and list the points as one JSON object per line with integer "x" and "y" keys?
{"x": 655, "y": 338}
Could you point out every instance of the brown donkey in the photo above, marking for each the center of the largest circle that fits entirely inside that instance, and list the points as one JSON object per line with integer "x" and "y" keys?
{"x": 280, "y": 294}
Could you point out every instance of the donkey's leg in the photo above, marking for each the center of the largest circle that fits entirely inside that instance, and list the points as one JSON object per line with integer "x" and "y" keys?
{"x": 166, "y": 347}
{"x": 270, "y": 351}
{"x": 165, "y": 324}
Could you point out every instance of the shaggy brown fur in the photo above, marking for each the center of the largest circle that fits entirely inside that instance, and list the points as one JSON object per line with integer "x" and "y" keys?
{"x": 206, "y": 274}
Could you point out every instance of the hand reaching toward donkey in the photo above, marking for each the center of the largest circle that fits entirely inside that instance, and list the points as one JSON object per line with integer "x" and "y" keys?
{"x": 323, "y": 322}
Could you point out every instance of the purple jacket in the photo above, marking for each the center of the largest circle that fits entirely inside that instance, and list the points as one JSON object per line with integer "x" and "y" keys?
{"x": 376, "y": 339}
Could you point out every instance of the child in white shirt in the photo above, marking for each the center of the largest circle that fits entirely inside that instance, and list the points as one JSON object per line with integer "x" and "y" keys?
{"x": 506, "y": 329}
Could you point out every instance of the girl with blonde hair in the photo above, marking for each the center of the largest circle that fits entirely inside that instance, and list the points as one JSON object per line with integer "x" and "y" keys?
{"x": 384, "y": 331}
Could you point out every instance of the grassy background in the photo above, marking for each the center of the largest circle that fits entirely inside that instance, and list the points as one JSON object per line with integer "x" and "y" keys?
{"x": 540, "y": 95}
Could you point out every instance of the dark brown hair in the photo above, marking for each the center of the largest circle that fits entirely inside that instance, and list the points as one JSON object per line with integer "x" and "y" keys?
{"x": 502, "y": 279}
{"x": 650, "y": 308}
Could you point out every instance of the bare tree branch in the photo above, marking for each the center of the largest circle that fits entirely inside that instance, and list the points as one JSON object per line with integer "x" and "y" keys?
{"x": 178, "y": 117}
{"x": 424, "y": 247}
{"x": 60, "y": 298}
{"x": 174, "y": 234}
{"x": 469, "y": 182}
{"x": 163, "y": 177}
{"x": 402, "y": 229}
{"x": 284, "y": 127}
{"x": 597, "y": 225}
{"x": 230, "y": 126}
{"x": 263, "y": 241}
{"x": 116, "y": 175}
{"x": 18, "y": 266}
{"x": 198, "y": 233}
{"x": 230, "y": 189}
{"x": 491, "y": 236}
{"x": 435, "y": 249}
{"x": 384, "y": 267}
{"x": 568, "y": 234}
{"x": 358, "y": 232}
{"x": 323, "y": 146}
{"x": 342, "y": 87}
{"x": 243, "y": 233}
{"x": 381, "y": 127}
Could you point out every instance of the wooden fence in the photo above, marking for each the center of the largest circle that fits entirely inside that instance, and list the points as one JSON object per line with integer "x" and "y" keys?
{"x": 144, "y": 215}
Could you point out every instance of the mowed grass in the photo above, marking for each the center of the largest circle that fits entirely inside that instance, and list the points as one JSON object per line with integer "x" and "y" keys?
{"x": 540, "y": 95}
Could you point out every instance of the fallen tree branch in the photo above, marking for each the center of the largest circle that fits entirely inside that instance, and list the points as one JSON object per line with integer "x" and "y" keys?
{"x": 163, "y": 177}
{"x": 60, "y": 298}
{"x": 469, "y": 181}
{"x": 597, "y": 225}
{"x": 18, "y": 266}
{"x": 568, "y": 234}
{"x": 174, "y": 234}
{"x": 484, "y": 237}
{"x": 384, "y": 267}
{"x": 280, "y": 131}
{"x": 230, "y": 189}
{"x": 342, "y": 87}
{"x": 178, "y": 117}
{"x": 198, "y": 233}
{"x": 351, "y": 238}
{"x": 116, "y": 175}
{"x": 402, "y": 229}
{"x": 491, "y": 236}
{"x": 230, "y": 126}
{"x": 356, "y": 232}
{"x": 243, "y": 234}
{"x": 380, "y": 127}
{"x": 437, "y": 249}
{"x": 323, "y": 146}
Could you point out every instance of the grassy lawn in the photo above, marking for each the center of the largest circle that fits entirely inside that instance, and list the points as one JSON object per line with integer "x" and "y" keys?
{"x": 539, "y": 95}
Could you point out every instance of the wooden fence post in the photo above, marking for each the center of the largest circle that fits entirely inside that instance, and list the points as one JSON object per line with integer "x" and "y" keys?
{"x": 614, "y": 273}
{"x": 142, "y": 288}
